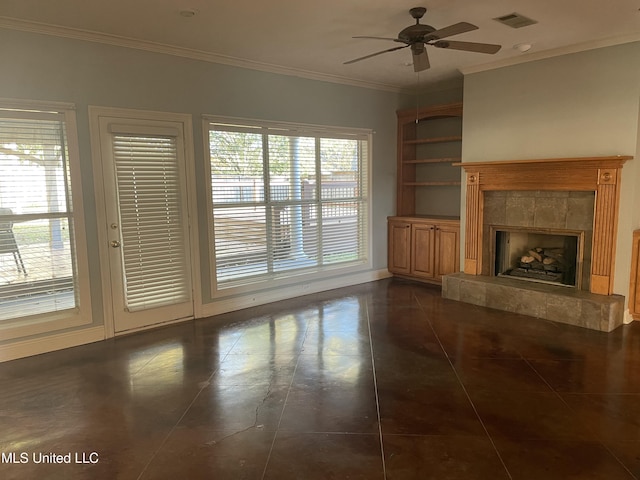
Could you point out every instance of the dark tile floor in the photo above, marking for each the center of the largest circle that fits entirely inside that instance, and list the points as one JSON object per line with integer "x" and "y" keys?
{"x": 382, "y": 380}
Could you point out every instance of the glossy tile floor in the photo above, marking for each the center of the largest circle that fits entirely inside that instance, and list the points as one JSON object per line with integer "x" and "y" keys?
{"x": 382, "y": 380}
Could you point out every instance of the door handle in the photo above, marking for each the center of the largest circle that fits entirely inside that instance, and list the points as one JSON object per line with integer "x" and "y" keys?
{"x": 115, "y": 243}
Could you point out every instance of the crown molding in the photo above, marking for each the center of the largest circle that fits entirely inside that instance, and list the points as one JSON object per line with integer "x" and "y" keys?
{"x": 35, "y": 105}
{"x": 554, "y": 52}
{"x": 193, "y": 54}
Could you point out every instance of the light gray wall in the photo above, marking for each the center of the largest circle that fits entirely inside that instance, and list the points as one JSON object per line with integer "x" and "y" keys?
{"x": 40, "y": 67}
{"x": 446, "y": 91}
{"x": 579, "y": 105}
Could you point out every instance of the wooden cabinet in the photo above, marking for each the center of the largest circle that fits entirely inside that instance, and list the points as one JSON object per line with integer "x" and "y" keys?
{"x": 634, "y": 290}
{"x": 424, "y": 248}
{"x": 399, "y": 240}
{"x": 447, "y": 249}
{"x": 429, "y": 143}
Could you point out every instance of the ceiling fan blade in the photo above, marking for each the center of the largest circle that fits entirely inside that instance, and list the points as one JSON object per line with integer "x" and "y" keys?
{"x": 455, "y": 29}
{"x": 420, "y": 59}
{"x": 381, "y": 38}
{"x": 374, "y": 54}
{"x": 468, "y": 46}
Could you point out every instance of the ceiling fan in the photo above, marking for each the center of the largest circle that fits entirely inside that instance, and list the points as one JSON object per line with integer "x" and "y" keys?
{"x": 419, "y": 35}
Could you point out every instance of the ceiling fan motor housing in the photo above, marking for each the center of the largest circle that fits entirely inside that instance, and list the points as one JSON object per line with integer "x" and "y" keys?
{"x": 415, "y": 33}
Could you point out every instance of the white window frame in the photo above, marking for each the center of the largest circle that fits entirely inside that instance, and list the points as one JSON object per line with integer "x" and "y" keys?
{"x": 292, "y": 277}
{"x": 82, "y": 314}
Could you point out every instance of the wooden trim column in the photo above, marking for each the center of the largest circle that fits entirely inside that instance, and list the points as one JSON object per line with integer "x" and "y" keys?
{"x": 473, "y": 226}
{"x": 605, "y": 227}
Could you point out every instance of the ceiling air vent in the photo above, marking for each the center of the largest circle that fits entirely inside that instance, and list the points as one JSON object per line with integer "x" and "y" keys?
{"x": 515, "y": 20}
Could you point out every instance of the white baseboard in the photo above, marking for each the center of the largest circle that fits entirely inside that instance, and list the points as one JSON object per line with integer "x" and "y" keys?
{"x": 627, "y": 317}
{"x": 283, "y": 293}
{"x": 155, "y": 325}
{"x": 49, "y": 343}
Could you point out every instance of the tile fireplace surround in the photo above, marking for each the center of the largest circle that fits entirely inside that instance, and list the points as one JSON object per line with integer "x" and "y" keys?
{"x": 560, "y": 185}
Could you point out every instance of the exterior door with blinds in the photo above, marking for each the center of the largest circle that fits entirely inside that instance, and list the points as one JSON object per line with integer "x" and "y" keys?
{"x": 143, "y": 165}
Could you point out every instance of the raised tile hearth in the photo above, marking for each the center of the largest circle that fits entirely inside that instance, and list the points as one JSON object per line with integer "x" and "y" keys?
{"x": 550, "y": 302}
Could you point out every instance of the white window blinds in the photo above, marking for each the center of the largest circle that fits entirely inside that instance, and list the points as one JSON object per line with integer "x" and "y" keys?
{"x": 286, "y": 201}
{"x": 37, "y": 251}
{"x": 152, "y": 227}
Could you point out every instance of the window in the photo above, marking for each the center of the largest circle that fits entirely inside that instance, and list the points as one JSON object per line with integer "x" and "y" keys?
{"x": 287, "y": 200}
{"x": 39, "y": 273}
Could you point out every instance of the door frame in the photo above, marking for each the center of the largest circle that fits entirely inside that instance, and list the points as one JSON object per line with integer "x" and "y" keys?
{"x": 95, "y": 114}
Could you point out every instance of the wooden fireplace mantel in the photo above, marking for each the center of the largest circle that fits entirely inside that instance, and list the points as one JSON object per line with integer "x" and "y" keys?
{"x": 597, "y": 174}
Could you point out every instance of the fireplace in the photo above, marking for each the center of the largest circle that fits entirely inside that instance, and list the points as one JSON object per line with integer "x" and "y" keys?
{"x": 523, "y": 221}
{"x": 540, "y": 239}
{"x": 551, "y": 257}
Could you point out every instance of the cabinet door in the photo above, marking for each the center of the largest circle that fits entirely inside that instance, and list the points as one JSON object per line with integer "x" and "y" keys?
{"x": 447, "y": 250}
{"x": 634, "y": 293}
{"x": 399, "y": 237}
{"x": 423, "y": 250}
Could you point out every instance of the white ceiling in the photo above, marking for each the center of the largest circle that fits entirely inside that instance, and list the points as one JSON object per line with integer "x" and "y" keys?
{"x": 313, "y": 39}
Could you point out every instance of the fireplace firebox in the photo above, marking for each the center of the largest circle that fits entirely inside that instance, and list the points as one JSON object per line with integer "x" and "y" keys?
{"x": 538, "y": 255}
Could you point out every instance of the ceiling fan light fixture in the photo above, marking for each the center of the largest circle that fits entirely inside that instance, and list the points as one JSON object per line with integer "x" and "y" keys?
{"x": 522, "y": 47}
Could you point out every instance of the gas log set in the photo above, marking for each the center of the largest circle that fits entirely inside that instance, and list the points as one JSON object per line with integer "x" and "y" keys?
{"x": 540, "y": 263}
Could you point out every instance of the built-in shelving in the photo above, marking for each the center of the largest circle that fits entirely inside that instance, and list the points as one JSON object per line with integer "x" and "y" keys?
{"x": 424, "y": 236}
{"x": 435, "y": 160}
{"x": 432, "y": 184}
{"x": 422, "y": 141}
{"x": 429, "y": 144}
